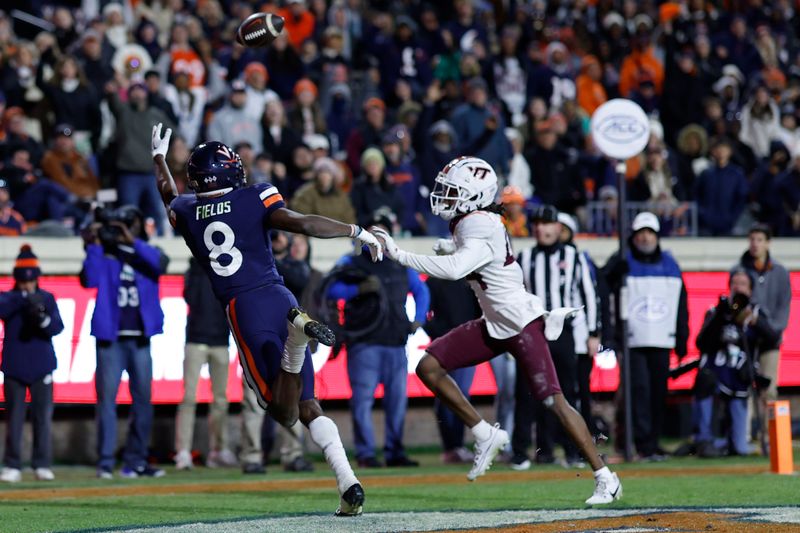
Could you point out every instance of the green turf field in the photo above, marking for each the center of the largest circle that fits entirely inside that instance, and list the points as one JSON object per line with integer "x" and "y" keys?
{"x": 77, "y": 501}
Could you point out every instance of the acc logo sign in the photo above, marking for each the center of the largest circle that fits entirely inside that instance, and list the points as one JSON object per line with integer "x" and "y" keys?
{"x": 649, "y": 309}
{"x": 620, "y": 128}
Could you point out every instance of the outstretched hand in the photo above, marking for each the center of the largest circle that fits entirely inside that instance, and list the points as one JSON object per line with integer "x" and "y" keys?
{"x": 161, "y": 144}
{"x": 444, "y": 247}
{"x": 389, "y": 246}
{"x": 364, "y": 237}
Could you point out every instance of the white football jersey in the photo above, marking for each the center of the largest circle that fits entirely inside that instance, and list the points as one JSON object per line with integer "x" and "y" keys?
{"x": 506, "y": 305}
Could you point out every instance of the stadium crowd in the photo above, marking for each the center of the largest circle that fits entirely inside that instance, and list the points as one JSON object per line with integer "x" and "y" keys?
{"x": 357, "y": 105}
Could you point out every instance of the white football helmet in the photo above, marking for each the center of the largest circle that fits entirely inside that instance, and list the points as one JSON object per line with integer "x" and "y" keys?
{"x": 464, "y": 185}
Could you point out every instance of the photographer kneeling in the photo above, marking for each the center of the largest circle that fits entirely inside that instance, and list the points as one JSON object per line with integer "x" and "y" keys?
{"x": 125, "y": 270}
{"x": 30, "y": 319}
{"x": 731, "y": 337}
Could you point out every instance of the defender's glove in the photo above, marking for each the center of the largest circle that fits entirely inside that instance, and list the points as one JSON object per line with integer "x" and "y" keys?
{"x": 363, "y": 237}
{"x": 444, "y": 247}
{"x": 391, "y": 248}
{"x": 160, "y": 144}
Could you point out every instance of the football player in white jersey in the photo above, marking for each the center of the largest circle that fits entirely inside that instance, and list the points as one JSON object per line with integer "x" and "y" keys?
{"x": 513, "y": 321}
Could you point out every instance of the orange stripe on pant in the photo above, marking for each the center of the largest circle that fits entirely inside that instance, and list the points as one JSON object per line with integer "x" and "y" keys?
{"x": 248, "y": 355}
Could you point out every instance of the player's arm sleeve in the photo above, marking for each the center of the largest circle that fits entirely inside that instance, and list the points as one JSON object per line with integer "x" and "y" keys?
{"x": 270, "y": 198}
{"x": 474, "y": 254}
{"x": 422, "y": 296}
{"x": 588, "y": 292}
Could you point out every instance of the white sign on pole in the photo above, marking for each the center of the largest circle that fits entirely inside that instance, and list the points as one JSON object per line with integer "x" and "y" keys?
{"x": 620, "y": 128}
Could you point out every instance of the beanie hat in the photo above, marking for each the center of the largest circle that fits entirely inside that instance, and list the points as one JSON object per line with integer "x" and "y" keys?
{"x": 373, "y": 154}
{"x": 26, "y": 268}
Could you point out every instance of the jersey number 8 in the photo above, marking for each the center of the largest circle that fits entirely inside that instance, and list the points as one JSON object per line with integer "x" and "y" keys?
{"x": 226, "y": 247}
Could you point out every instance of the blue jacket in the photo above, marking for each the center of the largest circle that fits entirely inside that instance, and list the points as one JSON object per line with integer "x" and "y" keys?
{"x": 721, "y": 194}
{"x": 102, "y": 272}
{"x": 28, "y": 353}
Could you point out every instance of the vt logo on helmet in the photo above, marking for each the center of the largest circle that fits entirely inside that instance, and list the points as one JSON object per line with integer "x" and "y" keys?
{"x": 213, "y": 167}
{"x": 464, "y": 185}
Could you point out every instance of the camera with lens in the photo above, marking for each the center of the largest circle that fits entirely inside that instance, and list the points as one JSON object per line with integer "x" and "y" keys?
{"x": 108, "y": 233}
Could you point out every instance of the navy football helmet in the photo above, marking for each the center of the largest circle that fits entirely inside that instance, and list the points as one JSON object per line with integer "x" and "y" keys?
{"x": 214, "y": 166}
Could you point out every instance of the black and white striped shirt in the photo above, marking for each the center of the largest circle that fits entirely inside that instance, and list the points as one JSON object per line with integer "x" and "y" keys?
{"x": 561, "y": 277}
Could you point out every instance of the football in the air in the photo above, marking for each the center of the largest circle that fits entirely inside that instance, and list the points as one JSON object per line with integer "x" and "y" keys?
{"x": 259, "y": 29}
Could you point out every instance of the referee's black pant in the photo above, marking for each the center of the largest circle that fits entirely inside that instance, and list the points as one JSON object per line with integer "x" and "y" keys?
{"x": 527, "y": 410}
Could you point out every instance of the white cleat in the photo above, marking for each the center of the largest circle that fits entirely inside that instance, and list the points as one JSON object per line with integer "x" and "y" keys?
{"x": 486, "y": 451}
{"x": 606, "y": 490}
{"x": 44, "y": 474}
{"x": 11, "y": 475}
{"x": 183, "y": 460}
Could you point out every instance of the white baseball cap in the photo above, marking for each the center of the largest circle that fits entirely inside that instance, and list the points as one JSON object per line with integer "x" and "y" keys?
{"x": 644, "y": 220}
{"x": 569, "y": 222}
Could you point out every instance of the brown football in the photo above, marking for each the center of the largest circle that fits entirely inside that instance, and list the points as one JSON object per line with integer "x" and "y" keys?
{"x": 259, "y": 29}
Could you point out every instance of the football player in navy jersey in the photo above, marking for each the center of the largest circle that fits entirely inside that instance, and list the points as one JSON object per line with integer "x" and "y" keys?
{"x": 226, "y": 225}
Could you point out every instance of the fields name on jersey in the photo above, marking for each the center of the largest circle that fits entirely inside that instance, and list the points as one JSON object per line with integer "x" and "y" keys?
{"x": 212, "y": 210}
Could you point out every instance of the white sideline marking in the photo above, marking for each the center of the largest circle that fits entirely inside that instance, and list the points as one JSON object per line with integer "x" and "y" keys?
{"x": 434, "y": 521}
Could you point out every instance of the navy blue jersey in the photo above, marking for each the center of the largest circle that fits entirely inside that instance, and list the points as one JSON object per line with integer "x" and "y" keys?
{"x": 229, "y": 237}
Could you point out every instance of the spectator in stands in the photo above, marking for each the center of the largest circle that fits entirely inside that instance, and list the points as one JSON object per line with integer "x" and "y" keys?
{"x": 554, "y": 175}
{"x": 182, "y": 55}
{"x": 233, "y": 124}
{"x": 11, "y": 222}
{"x": 67, "y": 167}
{"x": 373, "y": 190}
{"x": 641, "y": 62}
{"x": 369, "y": 133}
{"x": 306, "y": 116}
{"x": 380, "y": 355}
{"x": 720, "y": 191}
{"x": 207, "y": 339}
{"x": 19, "y": 138}
{"x": 519, "y": 174}
{"x": 590, "y": 91}
{"x": 300, "y": 22}
{"x": 692, "y": 147}
{"x": 30, "y": 321}
{"x": 772, "y": 291}
{"x": 125, "y": 270}
{"x": 285, "y": 67}
{"x": 653, "y": 278}
{"x": 786, "y": 199}
{"x": 279, "y": 139}
{"x": 734, "y": 46}
{"x": 324, "y": 195}
{"x": 760, "y": 122}
{"x": 479, "y": 119}
{"x": 764, "y": 202}
{"x": 656, "y": 186}
{"x": 73, "y": 101}
{"x": 684, "y": 89}
{"x": 35, "y": 197}
{"x": 405, "y": 177}
{"x": 258, "y": 95}
{"x": 94, "y": 55}
{"x": 508, "y": 75}
{"x": 187, "y": 105}
{"x": 515, "y": 218}
{"x": 156, "y": 91}
{"x": 136, "y": 182}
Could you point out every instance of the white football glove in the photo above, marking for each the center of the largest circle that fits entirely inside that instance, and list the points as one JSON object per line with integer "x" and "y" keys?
{"x": 160, "y": 144}
{"x": 389, "y": 246}
{"x": 362, "y": 237}
{"x": 444, "y": 247}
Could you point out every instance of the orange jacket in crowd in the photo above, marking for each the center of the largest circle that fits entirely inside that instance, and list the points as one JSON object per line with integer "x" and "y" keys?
{"x": 298, "y": 29}
{"x": 638, "y": 65}
{"x": 591, "y": 93}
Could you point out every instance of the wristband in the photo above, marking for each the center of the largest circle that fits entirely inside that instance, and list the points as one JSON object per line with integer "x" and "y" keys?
{"x": 355, "y": 230}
